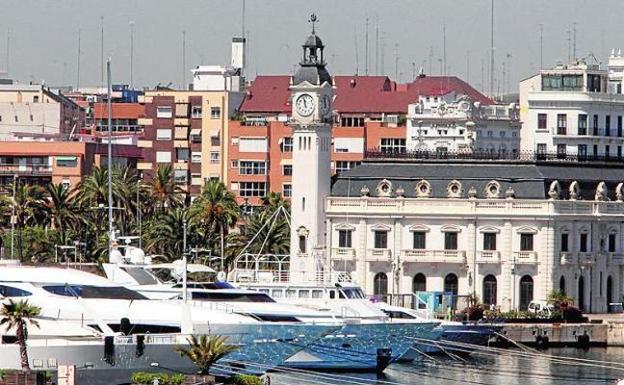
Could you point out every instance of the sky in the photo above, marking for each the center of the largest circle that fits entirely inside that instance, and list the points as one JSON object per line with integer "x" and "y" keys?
{"x": 43, "y": 43}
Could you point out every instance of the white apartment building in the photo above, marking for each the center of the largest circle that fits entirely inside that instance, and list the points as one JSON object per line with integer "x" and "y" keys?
{"x": 509, "y": 231}
{"x": 454, "y": 123}
{"x": 569, "y": 111}
{"x": 222, "y": 78}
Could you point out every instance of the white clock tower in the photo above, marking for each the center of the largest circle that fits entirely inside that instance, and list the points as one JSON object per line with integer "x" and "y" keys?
{"x": 312, "y": 96}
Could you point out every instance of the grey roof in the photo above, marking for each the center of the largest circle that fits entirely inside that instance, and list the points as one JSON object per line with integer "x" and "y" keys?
{"x": 313, "y": 74}
{"x": 313, "y": 41}
{"x": 529, "y": 180}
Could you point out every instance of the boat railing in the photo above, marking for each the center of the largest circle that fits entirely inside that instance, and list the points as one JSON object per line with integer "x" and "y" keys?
{"x": 215, "y": 306}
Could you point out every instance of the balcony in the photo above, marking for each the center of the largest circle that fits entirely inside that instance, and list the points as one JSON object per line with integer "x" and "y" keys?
{"x": 343, "y": 253}
{"x": 448, "y": 256}
{"x": 586, "y": 258}
{"x": 525, "y": 257}
{"x": 30, "y": 169}
{"x": 567, "y": 258}
{"x": 379, "y": 255}
{"x": 488, "y": 256}
{"x": 616, "y": 258}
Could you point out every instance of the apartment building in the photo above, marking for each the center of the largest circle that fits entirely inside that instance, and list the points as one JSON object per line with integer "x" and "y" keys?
{"x": 369, "y": 114}
{"x": 37, "y": 110}
{"x": 185, "y": 129}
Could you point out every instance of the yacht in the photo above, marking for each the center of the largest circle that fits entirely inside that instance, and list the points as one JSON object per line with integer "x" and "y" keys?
{"x": 367, "y": 340}
{"x": 95, "y": 323}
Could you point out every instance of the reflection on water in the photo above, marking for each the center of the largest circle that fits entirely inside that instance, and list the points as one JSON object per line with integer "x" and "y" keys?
{"x": 505, "y": 369}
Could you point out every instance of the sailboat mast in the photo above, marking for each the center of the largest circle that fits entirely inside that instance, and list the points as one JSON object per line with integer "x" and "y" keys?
{"x": 109, "y": 162}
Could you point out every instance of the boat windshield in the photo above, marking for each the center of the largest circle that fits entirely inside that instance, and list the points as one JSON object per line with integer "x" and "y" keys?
{"x": 141, "y": 276}
{"x": 86, "y": 291}
{"x": 219, "y": 296}
{"x": 353, "y": 293}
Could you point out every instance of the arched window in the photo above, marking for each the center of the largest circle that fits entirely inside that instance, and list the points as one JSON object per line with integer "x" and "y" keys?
{"x": 450, "y": 284}
{"x": 380, "y": 283}
{"x": 420, "y": 282}
{"x": 562, "y": 287}
{"x": 489, "y": 290}
{"x": 526, "y": 291}
{"x": 581, "y": 293}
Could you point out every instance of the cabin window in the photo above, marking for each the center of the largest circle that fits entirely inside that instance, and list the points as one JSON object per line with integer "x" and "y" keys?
{"x": 277, "y": 293}
{"x": 8, "y": 291}
{"x": 332, "y": 294}
{"x": 291, "y": 293}
{"x": 317, "y": 293}
{"x": 304, "y": 294}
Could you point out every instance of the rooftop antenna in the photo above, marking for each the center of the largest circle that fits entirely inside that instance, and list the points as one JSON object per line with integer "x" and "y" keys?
{"x": 102, "y": 51}
{"x": 541, "y": 36}
{"x": 382, "y": 60}
{"x": 313, "y": 20}
{"x": 396, "y": 61}
{"x": 574, "y": 40}
{"x": 8, "y": 49}
{"x": 132, "y": 54}
{"x": 109, "y": 160}
{"x": 482, "y": 75}
{"x": 183, "y": 60}
{"x": 569, "y": 39}
{"x": 468, "y": 66}
{"x": 78, "y": 65}
{"x": 243, "y": 20}
{"x": 377, "y": 45}
{"x": 492, "y": 49}
{"x": 357, "y": 65}
{"x": 444, "y": 47}
{"x": 366, "y": 49}
{"x": 430, "y": 59}
{"x": 413, "y": 70}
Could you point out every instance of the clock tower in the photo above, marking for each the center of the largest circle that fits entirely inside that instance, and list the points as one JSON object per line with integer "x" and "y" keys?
{"x": 312, "y": 94}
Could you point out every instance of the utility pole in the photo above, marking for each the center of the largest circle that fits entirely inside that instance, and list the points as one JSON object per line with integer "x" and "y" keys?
{"x": 468, "y": 66}
{"x": 574, "y": 41}
{"x": 366, "y": 50}
{"x": 78, "y": 64}
{"x": 132, "y": 54}
{"x": 569, "y": 39}
{"x": 355, "y": 42}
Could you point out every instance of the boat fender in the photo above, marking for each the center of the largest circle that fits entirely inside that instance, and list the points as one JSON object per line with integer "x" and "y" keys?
{"x": 384, "y": 357}
{"x": 109, "y": 350}
{"x": 140, "y": 346}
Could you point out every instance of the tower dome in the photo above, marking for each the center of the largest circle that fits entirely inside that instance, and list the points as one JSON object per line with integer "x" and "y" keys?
{"x": 312, "y": 66}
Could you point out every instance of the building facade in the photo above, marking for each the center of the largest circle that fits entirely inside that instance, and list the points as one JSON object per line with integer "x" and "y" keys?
{"x": 509, "y": 231}
{"x": 454, "y": 123}
{"x": 569, "y": 111}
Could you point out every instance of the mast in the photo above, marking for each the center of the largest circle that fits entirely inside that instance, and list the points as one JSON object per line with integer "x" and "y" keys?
{"x": 109, "y": 160}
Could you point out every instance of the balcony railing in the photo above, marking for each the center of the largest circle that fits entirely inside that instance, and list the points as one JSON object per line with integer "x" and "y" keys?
{"x": 488, "y": 256}
{"x": 418, "y": 255}
{"x": 525, "y": 257}
{"x": 568, "y": 258}
{"x": 343, "y": 253}
{"x": 586, "y": 258}
{"x": 616, "y": 258}
{"x": 25, "y": 169}
{"x": 379, "y": 255}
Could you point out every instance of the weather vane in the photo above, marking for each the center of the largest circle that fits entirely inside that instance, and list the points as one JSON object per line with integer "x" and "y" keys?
{"x": 313, "y": 20}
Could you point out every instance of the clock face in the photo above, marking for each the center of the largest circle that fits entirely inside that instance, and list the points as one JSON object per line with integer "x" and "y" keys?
{"x": 325, "y": 104}
{"x": 305, "y": 105}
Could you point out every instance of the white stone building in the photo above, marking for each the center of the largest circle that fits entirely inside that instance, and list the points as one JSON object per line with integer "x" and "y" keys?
{"x": 454, "y": 123}
{"x": 509, "y": 231}
{"x": 569, "y": 111}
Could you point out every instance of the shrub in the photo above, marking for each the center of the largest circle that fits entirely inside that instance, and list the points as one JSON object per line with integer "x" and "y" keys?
{"x": 242, "y": 379}
{"x": 143, "y": 378}
{"x": 473, "y": 313}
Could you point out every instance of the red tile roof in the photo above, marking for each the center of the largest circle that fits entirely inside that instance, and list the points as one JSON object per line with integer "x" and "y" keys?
{"x": 359, "y": 94}
{"x": 119, "y": 110}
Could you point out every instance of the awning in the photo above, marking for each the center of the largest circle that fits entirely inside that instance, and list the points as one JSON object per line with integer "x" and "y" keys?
{"x": 67, "y": 158}
{"x": 196, "y": 131}
{"x": 285, "y": 162}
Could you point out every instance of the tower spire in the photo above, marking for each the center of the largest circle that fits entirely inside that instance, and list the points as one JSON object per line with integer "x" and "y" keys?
{"x": 313, "y": 20}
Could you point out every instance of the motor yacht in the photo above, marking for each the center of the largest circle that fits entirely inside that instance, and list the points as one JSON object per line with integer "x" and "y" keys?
{"x": 123, "y": 329}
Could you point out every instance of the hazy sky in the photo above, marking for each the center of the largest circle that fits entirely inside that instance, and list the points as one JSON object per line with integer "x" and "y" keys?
{"x": 44, "y": 36}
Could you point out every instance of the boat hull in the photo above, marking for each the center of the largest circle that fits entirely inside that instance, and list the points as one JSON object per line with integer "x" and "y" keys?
{"x": 476, "y": 335}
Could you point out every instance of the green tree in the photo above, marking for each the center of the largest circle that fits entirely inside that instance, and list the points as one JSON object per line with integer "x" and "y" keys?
{"x": 217, "y": 211}
{"x": 164, "y": 192}
{"x": 164, "y": 233}
{"x": 206, "y": 350}
{"x": 26, "y": 205}
{"x": 266, "y": 232}
{"x": 17, "y": 315}
{"x": 59, "y": 209}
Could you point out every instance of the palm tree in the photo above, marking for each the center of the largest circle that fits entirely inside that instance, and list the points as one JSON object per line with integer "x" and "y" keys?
{"x": 273, "y": 237}
{"x": 165, "y": 232}
{"x": 16, "y": 315}
{"x": 206, "y": 350}
{"x": 59, "y": 208}
{"x": 216, "y": 209}
{"x": 163, "y": 190}
{"x": 26, "y": 205}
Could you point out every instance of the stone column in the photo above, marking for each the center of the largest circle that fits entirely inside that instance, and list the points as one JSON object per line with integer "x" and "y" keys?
{"x": 361, "y": 268}
{"x": 505, "y": 297}
{"x": 547, "y": 260}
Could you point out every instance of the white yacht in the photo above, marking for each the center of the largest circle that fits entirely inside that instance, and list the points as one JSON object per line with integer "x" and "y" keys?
{"x": 367, "y": 339}
{"x": 94, "y": 323}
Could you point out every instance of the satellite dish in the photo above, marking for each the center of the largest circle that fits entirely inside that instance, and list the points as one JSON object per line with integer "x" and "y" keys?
{"x": 221, "y": 276}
